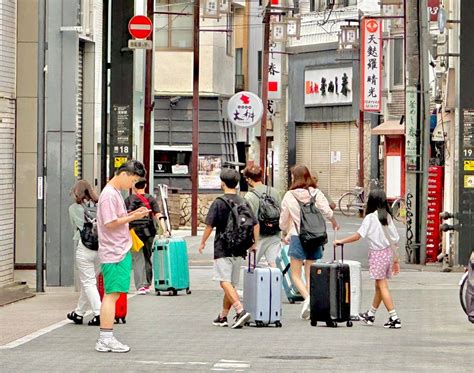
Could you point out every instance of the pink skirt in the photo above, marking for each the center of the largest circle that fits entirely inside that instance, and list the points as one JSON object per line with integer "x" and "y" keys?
{"x": 380, "y": 264}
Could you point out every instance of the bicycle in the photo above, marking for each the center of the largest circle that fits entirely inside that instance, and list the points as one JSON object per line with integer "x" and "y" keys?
{"x": 399, "y": 209}
{"x": 463, "y": 291}
{"x": 353, "y": 202}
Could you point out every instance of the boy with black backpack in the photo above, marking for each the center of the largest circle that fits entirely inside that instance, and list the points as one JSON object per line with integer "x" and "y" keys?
{"x": 237, "y": 232}
{"x": 265, "y": 202}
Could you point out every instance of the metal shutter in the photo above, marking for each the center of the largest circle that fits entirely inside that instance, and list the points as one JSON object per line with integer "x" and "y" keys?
{"x": 79, "y": 116}
{"x": 7, "y": 137}
{"x": 314, "y": 145}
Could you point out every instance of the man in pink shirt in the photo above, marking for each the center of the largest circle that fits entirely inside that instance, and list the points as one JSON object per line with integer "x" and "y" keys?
{"x": 114, "y": 248}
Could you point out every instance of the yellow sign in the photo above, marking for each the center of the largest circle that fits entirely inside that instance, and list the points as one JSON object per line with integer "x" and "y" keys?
{"x": 468, "y": 181}
{"x": 468, "y": 165}
{"x": 76, "y": 168}
{"x": 118, "y": 161}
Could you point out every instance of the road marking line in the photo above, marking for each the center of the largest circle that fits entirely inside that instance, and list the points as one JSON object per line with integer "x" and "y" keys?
{"x": 29, "y": 337}
{"x": 150, "y": 362}
{"x": 34, "y": 335}
{"x": 231, "y": 365}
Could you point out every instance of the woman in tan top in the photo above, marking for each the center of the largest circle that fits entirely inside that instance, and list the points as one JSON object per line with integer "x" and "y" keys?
{"x": 302, "y": 189}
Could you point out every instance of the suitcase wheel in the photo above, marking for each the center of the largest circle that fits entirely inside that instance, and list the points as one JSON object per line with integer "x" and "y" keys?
{"x": 259, "y": 324}
{"x": 314, "y": 323}
{"x": 158, "y": 293}
{"x": 247, "y": 324}
{"x": 188, "y": 291}
{"x": 349, "y": 324}
{"x": 278, "y": 324}
{"x": 331, "y": 324}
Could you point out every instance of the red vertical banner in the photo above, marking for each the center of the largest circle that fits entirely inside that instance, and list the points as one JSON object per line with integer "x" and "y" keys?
{"x": 433, "y": 10}
{"x": 371, "y": 65}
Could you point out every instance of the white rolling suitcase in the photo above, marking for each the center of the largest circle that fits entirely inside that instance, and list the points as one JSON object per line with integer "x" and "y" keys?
{"x": 262, "y": 294}
{"x": 355, "y": 270}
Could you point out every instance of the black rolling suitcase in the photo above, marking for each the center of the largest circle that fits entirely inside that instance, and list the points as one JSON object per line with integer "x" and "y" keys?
{"x": 330, "y": 293}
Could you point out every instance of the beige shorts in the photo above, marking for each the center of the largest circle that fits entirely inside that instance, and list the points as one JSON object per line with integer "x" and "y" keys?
{"x": 227, "y": 270}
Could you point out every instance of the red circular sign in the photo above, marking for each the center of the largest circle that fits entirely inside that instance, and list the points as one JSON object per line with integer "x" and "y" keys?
{"x": 140, "y": 27}
{"x": 372, "y": 26}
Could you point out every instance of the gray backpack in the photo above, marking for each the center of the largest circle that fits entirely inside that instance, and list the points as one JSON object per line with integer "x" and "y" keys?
{"x": 312, "y": 230}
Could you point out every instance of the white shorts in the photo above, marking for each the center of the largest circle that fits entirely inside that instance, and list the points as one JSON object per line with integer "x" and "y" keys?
{"x": 227, "y": 270}
{"x": 269, "y": 246}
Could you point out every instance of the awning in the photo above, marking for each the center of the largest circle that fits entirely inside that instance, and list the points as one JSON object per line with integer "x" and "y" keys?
{"x": 389, "y": 127}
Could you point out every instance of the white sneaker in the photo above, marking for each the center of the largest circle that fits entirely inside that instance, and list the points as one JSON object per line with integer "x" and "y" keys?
{"x": 141, "y": 291}
{"x": 110, "y": 345}
{"x": 305, "y": 310}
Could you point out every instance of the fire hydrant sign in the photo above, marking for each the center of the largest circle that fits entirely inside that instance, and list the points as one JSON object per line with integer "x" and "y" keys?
{"x": 140, "y": 27}
{"x": 371, "y": 65}
{"x": 245, "y": 109}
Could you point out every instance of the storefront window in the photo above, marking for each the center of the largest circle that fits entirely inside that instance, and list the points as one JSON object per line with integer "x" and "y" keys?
{"x": 174, "y": 31}
{"x": 174, "y": 162}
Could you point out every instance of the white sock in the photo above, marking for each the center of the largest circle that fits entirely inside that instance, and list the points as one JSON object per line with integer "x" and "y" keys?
{"x": 393, "y": 314}
{"x": 372, "y": 311}
{"x": 105, "y": 334}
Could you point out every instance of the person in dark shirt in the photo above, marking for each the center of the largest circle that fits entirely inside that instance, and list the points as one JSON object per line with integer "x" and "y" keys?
{"x": 145, "y": 229}
{"x": 227, "y": 266}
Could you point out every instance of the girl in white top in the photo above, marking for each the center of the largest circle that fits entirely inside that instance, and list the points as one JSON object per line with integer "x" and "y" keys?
{"x": 303, "y": 188}
{"x": 380, "y": 231}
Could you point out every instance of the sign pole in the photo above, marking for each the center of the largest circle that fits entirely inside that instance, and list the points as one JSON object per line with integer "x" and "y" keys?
{"x": 263, "y": 127}
{"x": 195, "y": 132}
{"x": 149, "y": 103}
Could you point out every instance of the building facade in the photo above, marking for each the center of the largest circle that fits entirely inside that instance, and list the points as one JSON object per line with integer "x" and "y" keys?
{"x": 8, "y": 105}
{"x": 323, "y": 101}
{"x": 73, "y": 107}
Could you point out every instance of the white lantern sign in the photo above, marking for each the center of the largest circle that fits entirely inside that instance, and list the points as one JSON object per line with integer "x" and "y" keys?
{"x": 245, "y": 109}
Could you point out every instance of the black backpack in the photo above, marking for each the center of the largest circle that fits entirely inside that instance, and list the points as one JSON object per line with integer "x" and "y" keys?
{"x": 312, "y": 232}
{"x": 238, "y": 233}
{"x": 268, "y": 213}
{"x": 89, "y": 236}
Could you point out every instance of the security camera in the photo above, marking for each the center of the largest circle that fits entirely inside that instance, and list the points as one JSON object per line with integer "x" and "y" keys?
{"x": 174, "y": 100}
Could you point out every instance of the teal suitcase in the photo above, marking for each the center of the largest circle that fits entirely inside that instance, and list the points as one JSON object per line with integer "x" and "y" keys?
{"x": 170, "y": 266}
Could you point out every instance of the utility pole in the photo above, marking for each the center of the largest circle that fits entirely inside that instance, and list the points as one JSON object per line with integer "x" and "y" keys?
{"x": 265, "y": 61}
{"x": 412, "y": 129}
{"x": 195, "y": 135}
{"x": 40, "y": 147}
{"x": 105, "y": 95}
{"x": 149, "y": 101}
{"x": 425, "y": 127}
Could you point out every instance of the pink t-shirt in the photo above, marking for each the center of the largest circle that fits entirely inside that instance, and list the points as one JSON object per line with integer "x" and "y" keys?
{"x": 115, "y": 243}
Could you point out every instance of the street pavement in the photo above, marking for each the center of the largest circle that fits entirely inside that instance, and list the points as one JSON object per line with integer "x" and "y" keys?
{"x": 175, "y": 333}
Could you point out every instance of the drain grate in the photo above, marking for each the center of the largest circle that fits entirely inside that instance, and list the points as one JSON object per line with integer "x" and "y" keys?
{"x": 296, "y": 357}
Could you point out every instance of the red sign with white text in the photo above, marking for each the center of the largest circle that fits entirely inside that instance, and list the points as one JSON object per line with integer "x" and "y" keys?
{"x": 433, "y": 10}
{"x": 140, "y": 27}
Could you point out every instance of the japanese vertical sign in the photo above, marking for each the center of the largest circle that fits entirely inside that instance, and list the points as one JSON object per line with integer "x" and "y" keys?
{"x": 411, "y": 119}
{"x": 371, "y": 65}
{"x": 121, "y": 132}
{"x": 274, "y": 72}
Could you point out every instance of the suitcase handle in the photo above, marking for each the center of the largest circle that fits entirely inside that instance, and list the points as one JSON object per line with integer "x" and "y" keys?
{"x": 342, "y": 252}
{"x": 254, "y": 261}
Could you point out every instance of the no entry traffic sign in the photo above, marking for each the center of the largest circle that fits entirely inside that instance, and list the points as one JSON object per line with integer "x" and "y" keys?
{"x": 140, "y": 27}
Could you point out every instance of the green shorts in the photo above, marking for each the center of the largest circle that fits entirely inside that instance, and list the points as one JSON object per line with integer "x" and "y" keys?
{"x": 117, "y": 275}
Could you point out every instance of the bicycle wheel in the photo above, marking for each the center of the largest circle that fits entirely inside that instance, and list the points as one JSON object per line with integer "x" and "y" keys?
{"x": 462, "y": 293}
{"x": 399, "y": 210}
{"x": 350, "y": 204}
